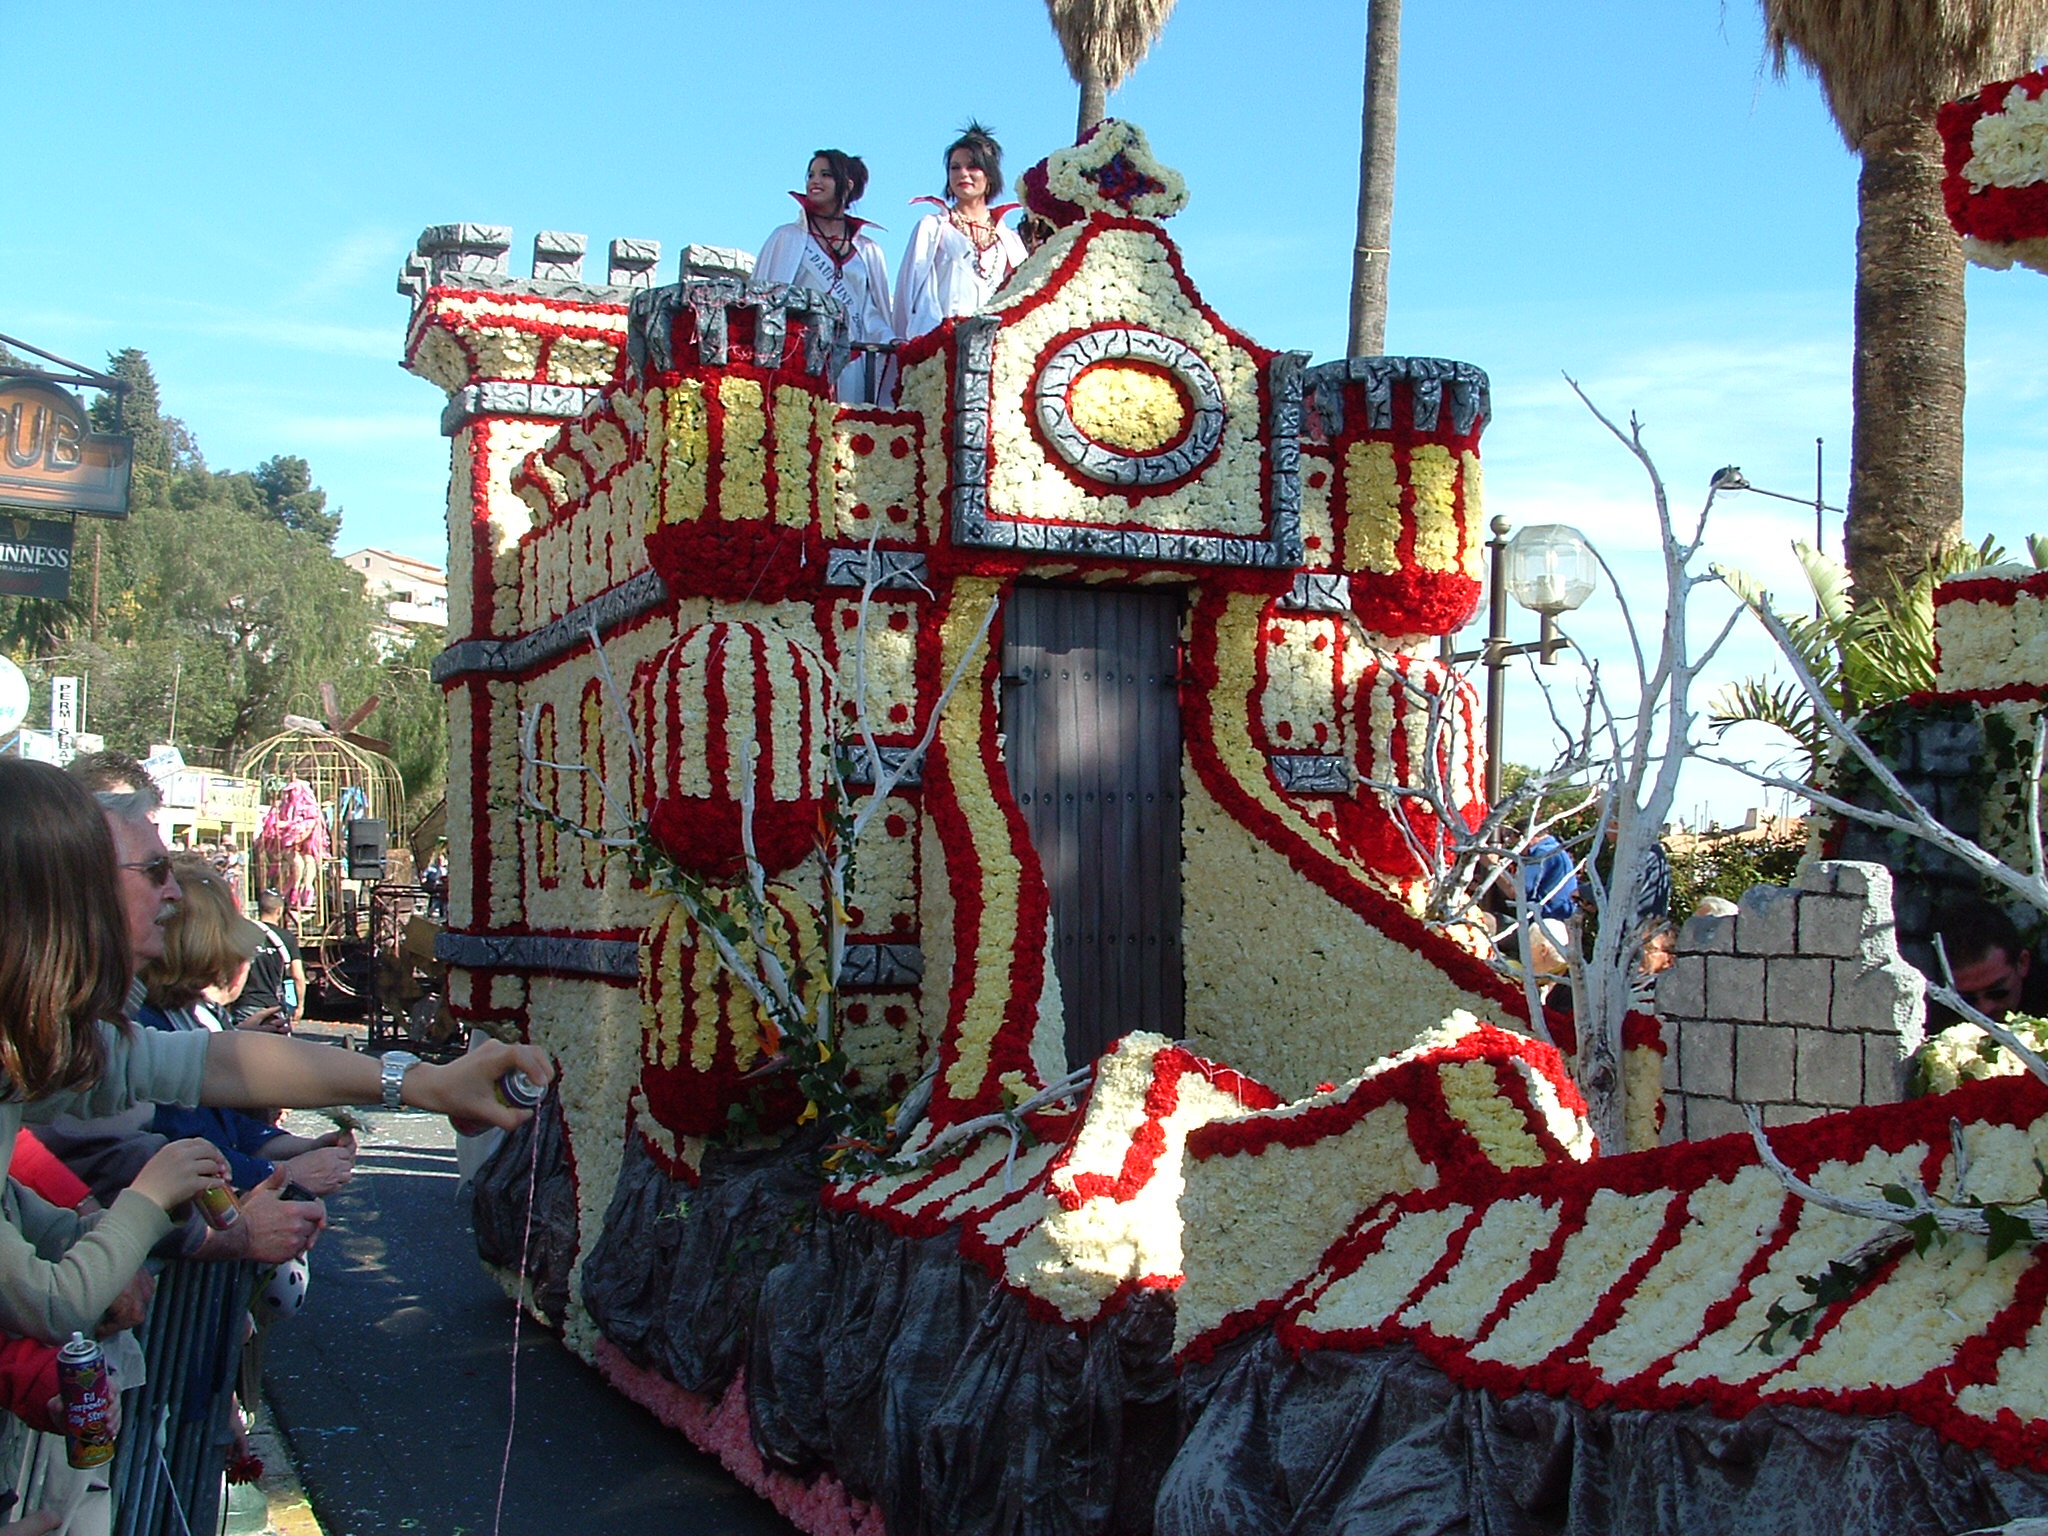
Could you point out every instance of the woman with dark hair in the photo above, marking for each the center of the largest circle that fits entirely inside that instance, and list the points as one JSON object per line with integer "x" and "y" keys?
{"x": 960, "y": 256}
{"x": 64, "y": 971}
{"x": 828, "y": 250}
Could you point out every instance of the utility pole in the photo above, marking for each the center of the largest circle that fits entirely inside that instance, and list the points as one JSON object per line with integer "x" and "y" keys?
{"x": 95, "y": 586}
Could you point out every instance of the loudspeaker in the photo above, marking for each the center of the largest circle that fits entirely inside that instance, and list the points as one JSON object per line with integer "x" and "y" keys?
{"x": 367, "y": 840}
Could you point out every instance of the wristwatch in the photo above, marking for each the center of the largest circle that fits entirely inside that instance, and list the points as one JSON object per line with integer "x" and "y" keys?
{"x": 396, "y": 1065}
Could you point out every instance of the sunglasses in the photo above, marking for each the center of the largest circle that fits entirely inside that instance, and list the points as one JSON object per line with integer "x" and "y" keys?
{"x": 156, "y": 871}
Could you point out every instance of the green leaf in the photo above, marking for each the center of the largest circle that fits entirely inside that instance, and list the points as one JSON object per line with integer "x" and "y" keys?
{"x": 2006, "y": 1231}
{"x": 1898, "y": 1194}
{"x": 1926, "y": 1233}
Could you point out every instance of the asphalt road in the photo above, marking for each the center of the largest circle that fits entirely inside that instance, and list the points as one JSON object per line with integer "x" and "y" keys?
{"x": 394, "y": 1385}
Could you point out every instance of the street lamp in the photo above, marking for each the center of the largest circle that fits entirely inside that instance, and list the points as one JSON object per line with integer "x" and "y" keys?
{"x": 1548, "y": 568}
{"x": 1731, "y": 478}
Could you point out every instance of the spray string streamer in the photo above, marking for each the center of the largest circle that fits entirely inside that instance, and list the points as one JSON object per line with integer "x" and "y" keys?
{"x": 518, "y": 1316}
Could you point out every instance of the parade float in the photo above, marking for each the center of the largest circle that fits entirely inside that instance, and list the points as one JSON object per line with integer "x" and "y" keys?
{"x": 1005, "y": 1084}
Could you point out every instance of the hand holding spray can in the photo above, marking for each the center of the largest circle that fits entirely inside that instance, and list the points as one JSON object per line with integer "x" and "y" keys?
{"x": 88, "y": 1395}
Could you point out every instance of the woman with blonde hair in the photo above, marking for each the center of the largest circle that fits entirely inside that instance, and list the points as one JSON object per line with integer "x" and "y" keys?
{"x": 207, "y": 948}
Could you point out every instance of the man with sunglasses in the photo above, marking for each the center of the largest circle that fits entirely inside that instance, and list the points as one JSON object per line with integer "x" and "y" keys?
{"x": 106, "y": 1153}
{"x": 149, "y": 891}
{"x": 1994, "y": 971}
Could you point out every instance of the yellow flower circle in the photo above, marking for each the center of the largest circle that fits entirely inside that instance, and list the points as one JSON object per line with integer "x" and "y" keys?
{"x": 1128, "y": 406}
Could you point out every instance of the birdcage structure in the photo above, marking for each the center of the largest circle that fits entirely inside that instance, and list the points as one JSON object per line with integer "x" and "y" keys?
{"x": 314, "y": 785}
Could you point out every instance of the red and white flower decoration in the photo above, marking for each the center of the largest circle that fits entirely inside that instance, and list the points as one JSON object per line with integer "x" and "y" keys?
{"x": 720, "y": 688}
{"x": 1995, "y": 155}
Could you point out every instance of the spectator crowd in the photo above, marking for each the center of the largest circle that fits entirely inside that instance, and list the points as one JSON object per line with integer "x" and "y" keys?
{"x": 145, "y": 1046}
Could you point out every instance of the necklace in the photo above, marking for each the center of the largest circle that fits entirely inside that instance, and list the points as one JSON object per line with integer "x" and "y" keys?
{"x": 982, "y": 233}
{"x": 839, "y": 247}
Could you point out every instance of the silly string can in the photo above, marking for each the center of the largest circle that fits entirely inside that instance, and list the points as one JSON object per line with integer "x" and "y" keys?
{"x": 518, "y": 1091}
{"x": 88, "y": 1395}
{"x": 217, "y": 1204}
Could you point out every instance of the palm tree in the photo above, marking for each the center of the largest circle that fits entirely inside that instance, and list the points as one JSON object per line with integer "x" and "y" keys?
{"x": 1371, "y": 252}
{"x": 1103, "y": 41}
{"x": 1885, "y": 66}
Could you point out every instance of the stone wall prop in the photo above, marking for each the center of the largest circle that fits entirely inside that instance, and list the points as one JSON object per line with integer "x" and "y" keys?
{"x": 1799, "y": 1004}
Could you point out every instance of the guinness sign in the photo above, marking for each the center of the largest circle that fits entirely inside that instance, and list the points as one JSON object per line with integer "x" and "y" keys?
{"x": 51, "y": 461}
{"x": 35, "y": 558}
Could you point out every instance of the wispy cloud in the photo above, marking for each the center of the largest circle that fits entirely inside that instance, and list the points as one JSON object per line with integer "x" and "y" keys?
{"x": 364, "y": 255}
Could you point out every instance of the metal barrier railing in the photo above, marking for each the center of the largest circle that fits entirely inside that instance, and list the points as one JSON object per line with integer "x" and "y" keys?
{"x": 175, "y": 1433}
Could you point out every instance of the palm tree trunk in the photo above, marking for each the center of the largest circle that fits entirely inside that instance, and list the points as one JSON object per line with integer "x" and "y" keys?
{"x": 1094, "y": 101}
{"x": 1371, "y": 251}
{"x": 1906, "y": 452}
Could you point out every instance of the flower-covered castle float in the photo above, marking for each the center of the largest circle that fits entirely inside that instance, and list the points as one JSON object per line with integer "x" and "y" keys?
{"x": 929, "y": 840}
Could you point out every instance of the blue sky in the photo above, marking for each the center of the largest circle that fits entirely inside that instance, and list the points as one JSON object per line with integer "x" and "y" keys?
{"x": 1616, "y": 191}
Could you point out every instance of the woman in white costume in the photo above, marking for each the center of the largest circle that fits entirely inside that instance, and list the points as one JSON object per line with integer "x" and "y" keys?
{"x": 961, "y": 255}
{"x": 827, "y": 250}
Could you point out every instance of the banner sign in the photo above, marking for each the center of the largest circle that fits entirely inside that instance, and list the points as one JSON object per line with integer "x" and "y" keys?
{"x": 64, "y": 706}
{"x": 35, "y": 558}
{"x": 51, "y": 460}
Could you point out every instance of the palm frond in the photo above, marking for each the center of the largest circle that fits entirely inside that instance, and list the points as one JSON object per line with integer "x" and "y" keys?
{"x": 1782, "y": 705}
{"x": 1879, "y": 60}
{"x": 1109, "y": 37}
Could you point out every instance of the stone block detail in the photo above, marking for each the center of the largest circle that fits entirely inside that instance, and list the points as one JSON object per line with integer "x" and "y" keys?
{"x": 1682, "y": 990}
{"x": 1706, "y": 1058}
{"x": 1765, "y": 1059}
{"x": 1768, "y": 923}
{"x": 1884, "y": 1070}
{"x": 1713, "y": 1117}
{"x": 633, "y": 263}
{"x": 1831, "y": 925}
{"x": 1735, "y": 988}
{"x": 1798, "y": 1005}
{"x": 1776, "y": 1115}
{"x": 558, "y": 257}
{"x": 708, "y": 261}
{"x": 1707, "y": 936}
{"x": 454, "y": 251}
{"x": 1798, "y": 991}
{"x": 1830, "y": 1069}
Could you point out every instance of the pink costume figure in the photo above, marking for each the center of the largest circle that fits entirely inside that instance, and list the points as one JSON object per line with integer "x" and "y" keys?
{"x": 292, "y": 843}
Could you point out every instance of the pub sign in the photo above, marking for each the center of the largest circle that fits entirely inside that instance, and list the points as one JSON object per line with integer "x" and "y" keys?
{"x": 35, "y": 558}
{"x": 51, "y": 460}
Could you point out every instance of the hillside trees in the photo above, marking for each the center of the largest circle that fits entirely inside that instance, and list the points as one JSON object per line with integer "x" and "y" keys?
{"x": 221, "y": 607}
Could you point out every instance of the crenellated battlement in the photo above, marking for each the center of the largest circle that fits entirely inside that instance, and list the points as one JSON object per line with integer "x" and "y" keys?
{"x": 475, "y": 256}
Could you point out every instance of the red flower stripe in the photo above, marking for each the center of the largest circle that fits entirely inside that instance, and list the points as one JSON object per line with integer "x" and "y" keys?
{"x": 1683, "y": 1169}
{"x": 2001, "y": 591}
{"x": 1148, "y": 1141}
{"x": 1414, "y": 1082}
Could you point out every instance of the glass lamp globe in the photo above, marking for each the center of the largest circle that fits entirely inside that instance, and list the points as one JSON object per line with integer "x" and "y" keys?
{"x": 1551, "y": 568}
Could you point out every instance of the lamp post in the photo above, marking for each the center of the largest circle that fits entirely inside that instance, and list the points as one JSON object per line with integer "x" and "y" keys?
{"x": 1548, "y": 568}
